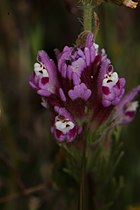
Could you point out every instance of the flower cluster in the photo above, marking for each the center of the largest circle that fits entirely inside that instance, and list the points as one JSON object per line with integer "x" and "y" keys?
{"x": 81, "y": 87}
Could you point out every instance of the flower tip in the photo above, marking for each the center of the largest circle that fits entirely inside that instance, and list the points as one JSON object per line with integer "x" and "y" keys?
{"x": 85, "y": 39}
{"x": 42, "y": 56}
{"x": 131, "y": 4}
{"x": 40, "y": 52}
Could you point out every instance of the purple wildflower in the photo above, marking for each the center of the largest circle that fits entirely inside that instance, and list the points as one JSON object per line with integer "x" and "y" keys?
{"x": 126, "y": 109}
{"x": 64, "y": 129}
{"x": 80, "y": 91}
{"x": 81, "y": 87}
{"x": 44, "y": 79}
{"x": 111, "y": 87}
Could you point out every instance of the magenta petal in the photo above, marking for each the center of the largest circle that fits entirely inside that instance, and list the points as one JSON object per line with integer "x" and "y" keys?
{"x": 92, "y": 54}
{"x": 130, "y": 114}
{"x": 105, "y": 90}
{"x": 69, "y": 73}
{"x": 58, "y": 134}
{"x": 130, "y": 96}
{"x": 122, "y": 82}
{"x": 76, "y": 78}
{"x": 80, "y": 91}
{"x": 43, "y": 92}
{"x": 115, "y": 101}
{"x": 81, "y": 53}
{"x": 121, "y": 116}
{"x": 62, "y": 95}
{"x": 106, "y": 103}
{"x": 32, "y": 85}
{"x": 87, "y": 56}
{"x": 64, "y": 70}
{"x": 89, "y": 40}
{"x": 63, "y": 112}
{"x": 103, "y": 70}
{"x": 44, "y": 80}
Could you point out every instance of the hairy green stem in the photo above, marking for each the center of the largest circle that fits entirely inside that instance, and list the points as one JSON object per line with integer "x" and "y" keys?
{"x": 87, "y": 16}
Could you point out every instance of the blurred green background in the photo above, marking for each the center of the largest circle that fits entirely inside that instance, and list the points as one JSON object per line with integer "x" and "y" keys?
{"x": 29, "y": 155}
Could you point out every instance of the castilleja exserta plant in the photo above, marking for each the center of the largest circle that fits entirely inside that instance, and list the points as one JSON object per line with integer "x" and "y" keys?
{"x": 82, "y": 87}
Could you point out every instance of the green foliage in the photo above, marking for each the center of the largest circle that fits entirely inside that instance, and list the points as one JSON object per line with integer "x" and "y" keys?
{"x": 103, "y": 159}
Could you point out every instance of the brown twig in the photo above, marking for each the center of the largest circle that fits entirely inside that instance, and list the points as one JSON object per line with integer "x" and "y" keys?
{"x": 27, "y": 192}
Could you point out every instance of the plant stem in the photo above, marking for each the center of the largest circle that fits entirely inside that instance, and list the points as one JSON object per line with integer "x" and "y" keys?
{"x": 82, "y": 205}
{"x": 87, "y": 16}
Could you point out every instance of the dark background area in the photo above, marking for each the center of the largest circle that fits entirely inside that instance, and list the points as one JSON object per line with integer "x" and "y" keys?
{"x": 29, "y": 155}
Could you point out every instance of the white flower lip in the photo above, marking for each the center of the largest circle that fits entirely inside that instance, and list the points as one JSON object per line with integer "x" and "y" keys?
{"x": 39, "y": 69}
{"x": 111, "y": 77}
{"x": 132, "y": 106}
{"x": 63, "y": 125}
